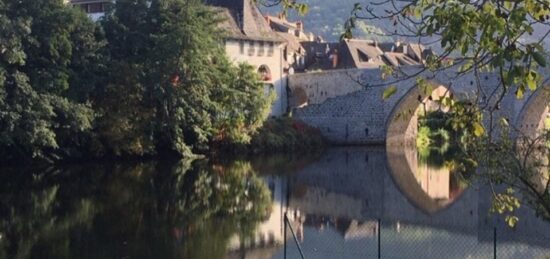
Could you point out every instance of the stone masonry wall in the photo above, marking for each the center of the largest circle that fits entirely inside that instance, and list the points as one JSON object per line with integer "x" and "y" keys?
{"x": 347, "y": 105}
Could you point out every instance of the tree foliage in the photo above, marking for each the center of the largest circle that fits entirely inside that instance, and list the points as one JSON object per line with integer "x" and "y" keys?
{"x": 46, "y": 49}
{"x": 181, "y": 92}
{"x": 150, "y": 76}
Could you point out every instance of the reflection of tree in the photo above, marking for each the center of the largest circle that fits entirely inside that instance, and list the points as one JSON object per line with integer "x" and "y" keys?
{"x": 34, "y": 222}
{"x": 159, "y": 210}
{"x": 439, "y": 145}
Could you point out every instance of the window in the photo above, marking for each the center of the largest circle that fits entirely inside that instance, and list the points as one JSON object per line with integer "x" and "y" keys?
{"x": 270, "y": 49}
{"x": 362, "y": 56}
{"x": 251, "y": 49}
{"x": 261, "y": 49}
{"x": 95, "y": 8}
{"x": 241, "y": 47}
{"x": 264, "y": 72}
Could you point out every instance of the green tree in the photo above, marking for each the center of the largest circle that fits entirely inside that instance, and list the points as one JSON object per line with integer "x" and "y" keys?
{"x": 46, "y": 52}
{"x": 180, "y": 92}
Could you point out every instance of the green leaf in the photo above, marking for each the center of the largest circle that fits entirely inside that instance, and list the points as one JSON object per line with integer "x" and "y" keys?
{"x": 539, "y": 59}
{"x": 520, "y": 91}
{"x": 391, "y": 90}
{"x": 478, "y": 129}
{"x": 303, "y": 9}
{"x": 531, "y": 80}
{"x": 511, "y": 221}
{"x": 504, "y": 122}
{"x": 418, "y": 12}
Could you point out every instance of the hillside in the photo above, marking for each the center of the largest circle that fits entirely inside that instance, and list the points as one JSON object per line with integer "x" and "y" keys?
{"x": 327, "y": 18}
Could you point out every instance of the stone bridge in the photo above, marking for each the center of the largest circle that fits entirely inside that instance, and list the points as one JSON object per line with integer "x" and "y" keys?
{"x": 348, "y": 108}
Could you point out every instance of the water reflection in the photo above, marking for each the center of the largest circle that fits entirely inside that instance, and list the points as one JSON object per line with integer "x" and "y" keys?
{"x": 145, "y": 210}
{"x": 440, "y": 185}
{"x": 234, "y": 209}
{"x": 421, "y": 206}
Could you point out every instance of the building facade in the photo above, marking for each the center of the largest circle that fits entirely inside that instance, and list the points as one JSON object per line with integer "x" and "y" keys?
{"x": 249, "y": 39}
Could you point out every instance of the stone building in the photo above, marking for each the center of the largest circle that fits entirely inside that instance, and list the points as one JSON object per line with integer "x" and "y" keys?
{"x": 294, "y": 35}
{"x": 249, "y": 38}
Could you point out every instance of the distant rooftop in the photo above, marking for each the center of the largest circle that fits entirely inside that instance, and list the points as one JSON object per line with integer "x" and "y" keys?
{"x": 243, "y": 20}
{"x": 356, "y": 53}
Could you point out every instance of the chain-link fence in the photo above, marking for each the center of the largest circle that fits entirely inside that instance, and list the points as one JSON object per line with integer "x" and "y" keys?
{"x": 325, "y": 237}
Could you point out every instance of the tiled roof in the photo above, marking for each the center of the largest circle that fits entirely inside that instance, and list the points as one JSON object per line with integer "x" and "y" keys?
{"x": 292, "y": 41}
{"x": 243, "y": 20}
{"x": 282, "y": 25}
{"x": 363, "y": 53}
{"x": 399, "y": 59}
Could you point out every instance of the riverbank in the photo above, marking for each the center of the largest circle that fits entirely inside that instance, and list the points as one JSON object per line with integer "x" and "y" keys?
{"x": 277, "y": 136}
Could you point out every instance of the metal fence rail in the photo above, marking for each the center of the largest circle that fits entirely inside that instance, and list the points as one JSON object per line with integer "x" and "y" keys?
{"x": 379, "y": 239}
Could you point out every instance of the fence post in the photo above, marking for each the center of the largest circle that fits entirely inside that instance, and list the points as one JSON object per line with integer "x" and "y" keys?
{"x": 295, "y": 239}
{"x": 495, "y": 242}
{"x": 379, "y": 237}
{"x": 284, "y": 234}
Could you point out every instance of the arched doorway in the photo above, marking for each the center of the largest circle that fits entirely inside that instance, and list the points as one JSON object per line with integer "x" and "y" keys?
{"x": 265, "y": 73}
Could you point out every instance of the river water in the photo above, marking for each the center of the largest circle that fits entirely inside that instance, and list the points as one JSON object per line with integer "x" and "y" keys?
{"x": 346, "y": 202}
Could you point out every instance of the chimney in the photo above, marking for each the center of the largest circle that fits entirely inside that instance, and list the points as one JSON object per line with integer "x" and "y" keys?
{"x": 335, "y": 58}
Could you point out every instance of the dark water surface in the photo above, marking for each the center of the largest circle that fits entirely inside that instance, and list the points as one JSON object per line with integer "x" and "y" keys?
{"x": 339, "y": 203}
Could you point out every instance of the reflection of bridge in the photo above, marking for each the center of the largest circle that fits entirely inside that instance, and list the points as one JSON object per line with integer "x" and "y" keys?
{"x": 365, "y": 184}
{"x": 345, "y": 112}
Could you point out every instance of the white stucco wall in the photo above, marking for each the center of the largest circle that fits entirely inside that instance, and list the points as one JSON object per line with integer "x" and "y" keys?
{"x": 274, "y": 62}
{"x": 96, "y": 16}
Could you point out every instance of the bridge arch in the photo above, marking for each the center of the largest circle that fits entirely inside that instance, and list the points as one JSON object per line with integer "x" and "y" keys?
{"x": 402, "y": 122}
{"x": 428, "y": 189}
{"x": 532, "y": 117}
{"x": 531, "y": 122}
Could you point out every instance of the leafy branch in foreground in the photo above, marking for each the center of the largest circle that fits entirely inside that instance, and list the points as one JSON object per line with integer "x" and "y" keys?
{"x": 506, "y": 38}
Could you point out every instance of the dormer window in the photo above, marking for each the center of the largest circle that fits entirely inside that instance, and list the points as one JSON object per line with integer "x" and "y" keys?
{"x": 362, "y": 56}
